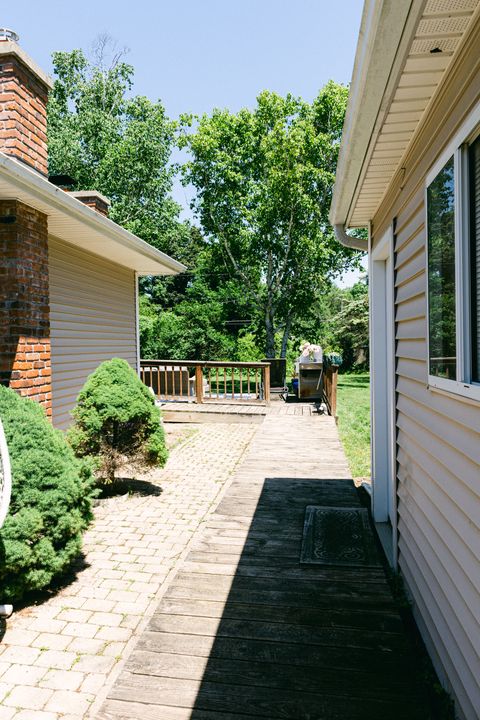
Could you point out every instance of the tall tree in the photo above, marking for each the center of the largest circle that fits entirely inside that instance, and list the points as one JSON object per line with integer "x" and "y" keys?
{"x": 264, "y": 181}
{"x": 113, "y": 142}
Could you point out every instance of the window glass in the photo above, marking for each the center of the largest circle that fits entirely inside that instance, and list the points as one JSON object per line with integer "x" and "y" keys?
{"x": 441, "y": 273}
{"x": 474, "y": 172}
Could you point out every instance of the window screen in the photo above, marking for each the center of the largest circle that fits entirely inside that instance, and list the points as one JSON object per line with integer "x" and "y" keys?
{"x": 441, "y": 273}
{"x": 474, "y": 173}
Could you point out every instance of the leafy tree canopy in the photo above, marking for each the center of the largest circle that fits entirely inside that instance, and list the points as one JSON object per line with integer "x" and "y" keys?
{"x": 114, "y": 142}
{"x": 339, "y": 322}
{"x": 264, "y": 181}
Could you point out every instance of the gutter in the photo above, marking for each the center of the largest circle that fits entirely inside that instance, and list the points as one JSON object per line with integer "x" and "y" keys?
{"x": 348, "y": 240}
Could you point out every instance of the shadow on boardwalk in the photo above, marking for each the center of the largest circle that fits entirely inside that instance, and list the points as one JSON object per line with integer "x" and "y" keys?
{"x": 244, "y": 631}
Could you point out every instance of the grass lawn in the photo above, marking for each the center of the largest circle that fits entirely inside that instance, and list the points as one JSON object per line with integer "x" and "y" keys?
{"x": 353, "y": 410}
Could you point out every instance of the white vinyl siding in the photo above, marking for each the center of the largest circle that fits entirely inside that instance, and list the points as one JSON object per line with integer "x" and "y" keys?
{"x": 92, "y": 319}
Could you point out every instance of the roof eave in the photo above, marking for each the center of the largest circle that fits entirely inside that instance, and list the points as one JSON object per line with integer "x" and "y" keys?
{"x": 40, "y": 190}
{"x": 386, "y": 30}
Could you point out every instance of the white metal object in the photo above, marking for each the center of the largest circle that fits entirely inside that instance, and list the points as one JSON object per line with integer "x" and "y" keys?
{"x": 7, "y": 34}
{"x": 5, "y": 477}
{"x": 5, "y": 494}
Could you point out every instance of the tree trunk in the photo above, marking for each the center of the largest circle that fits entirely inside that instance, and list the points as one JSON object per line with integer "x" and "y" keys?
{"x": 286, "y": 335}
{"x": 270, "y": 333}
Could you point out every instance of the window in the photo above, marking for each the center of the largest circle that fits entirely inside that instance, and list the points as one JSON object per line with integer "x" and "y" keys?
{"x": 474, "y": 176}
{"x": 453, "y": 266}
{"x": 441, "y": 273}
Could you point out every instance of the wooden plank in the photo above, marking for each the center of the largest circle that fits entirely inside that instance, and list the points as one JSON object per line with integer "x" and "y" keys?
{"x": 260, "y": 701}
{"x": 132, "y": 710}
{"x": 277, "y": 597}
{"x": 209, "y": 417}
{"x": 376, "y": 620}
{"x": 261, "y": 674}
{"x": 278, "y": 654}
{"x": 253, "y": 563}
{"x": 256, "y": 579}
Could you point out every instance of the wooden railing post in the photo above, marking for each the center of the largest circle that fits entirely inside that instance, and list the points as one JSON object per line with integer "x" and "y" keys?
{"x": 266, "y": 384}
{"x": 199, "y": 383}
{"x": 333, "y": 390}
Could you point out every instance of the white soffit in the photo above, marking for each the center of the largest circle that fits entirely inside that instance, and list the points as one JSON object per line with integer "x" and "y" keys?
{"x": 75, "y": 223}
{"x": 442, "y": 25}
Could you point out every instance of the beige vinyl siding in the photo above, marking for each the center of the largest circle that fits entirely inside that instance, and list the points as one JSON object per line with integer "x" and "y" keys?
{"x": 438, "y": 471}
{"x": 437, "y": 433}
{"x": 92, "y": 319}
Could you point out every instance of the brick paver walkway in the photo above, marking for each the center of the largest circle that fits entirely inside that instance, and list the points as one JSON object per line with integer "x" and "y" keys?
{"x": 59, "y": 657}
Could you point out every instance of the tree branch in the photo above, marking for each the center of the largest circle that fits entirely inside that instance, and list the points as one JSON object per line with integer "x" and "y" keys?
{"x": 233, "y": 260}
{"x": 289, "y": 245}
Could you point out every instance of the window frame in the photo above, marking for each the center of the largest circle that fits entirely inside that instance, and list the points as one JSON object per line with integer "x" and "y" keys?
{"x": 458, "y": 149}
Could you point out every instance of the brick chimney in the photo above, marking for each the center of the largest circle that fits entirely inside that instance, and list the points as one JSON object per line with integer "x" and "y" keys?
{"x": 93, "y": 199}
{"x": 23, "y": 104}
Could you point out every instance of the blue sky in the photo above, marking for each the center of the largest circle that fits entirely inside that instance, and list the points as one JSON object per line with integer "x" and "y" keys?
{"x": 198, "y": 54}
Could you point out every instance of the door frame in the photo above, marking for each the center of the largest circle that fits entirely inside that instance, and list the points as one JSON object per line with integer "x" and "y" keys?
{"x": 382, "y": 393}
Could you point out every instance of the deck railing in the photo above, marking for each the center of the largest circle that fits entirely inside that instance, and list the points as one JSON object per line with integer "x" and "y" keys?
{"x": 330, "y": 389}
{"x": 207, "y": 381}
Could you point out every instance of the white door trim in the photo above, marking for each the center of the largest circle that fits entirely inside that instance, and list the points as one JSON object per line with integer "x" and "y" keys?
{"x": 382, "y": 343}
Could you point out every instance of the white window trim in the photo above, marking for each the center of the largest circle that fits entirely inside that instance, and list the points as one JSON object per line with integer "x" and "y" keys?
{"x": 458, "y": 150}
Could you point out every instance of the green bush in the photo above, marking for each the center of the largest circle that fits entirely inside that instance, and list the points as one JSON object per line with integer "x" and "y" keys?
{"x": 117, "y": 421}
{"x": 51, "y": 500}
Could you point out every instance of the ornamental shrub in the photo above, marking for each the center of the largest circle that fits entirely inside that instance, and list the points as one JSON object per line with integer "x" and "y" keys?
{"x": 50, "y": 504}
{"x": 117, "y": 421}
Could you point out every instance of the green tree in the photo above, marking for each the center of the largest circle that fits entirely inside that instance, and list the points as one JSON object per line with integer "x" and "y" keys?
{"x": 346, "y": 323}
{"x": 110, "y": 141}
{"x": 264, "y": 181}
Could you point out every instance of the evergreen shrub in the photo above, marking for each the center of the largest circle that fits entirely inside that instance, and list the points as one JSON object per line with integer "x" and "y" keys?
{"x": 51, "y": 500}
{"x": 117, "y": 421}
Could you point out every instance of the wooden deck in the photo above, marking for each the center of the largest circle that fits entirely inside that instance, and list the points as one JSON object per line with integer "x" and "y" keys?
{"x": 232, "y": 412}
{"x": 244, "y": 631}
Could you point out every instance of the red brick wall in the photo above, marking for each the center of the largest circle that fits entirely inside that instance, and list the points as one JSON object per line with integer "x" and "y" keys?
{"x": 23, "y": 114}
{"x": 24, "y": 302}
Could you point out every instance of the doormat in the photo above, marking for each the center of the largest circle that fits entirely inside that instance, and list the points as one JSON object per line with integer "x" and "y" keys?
{"x": 338, "y": 536}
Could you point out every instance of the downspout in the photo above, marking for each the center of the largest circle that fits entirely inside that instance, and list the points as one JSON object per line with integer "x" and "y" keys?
{"x": 137, "y": 321}
{"x": 348, "y": 240}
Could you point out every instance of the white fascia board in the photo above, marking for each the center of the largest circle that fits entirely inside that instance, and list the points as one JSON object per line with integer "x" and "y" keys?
{"x": 20, "y": 182}
{"x": 382, "y": 31}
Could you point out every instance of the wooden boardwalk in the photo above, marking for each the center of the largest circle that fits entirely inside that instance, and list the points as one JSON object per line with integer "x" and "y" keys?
{"x": 232, "y": 412}
{"x": 244, "y": 631}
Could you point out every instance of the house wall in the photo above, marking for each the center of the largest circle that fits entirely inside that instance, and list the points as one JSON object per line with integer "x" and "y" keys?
{"x": 92, "y": 319}
{"x": 437, "y": 434}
